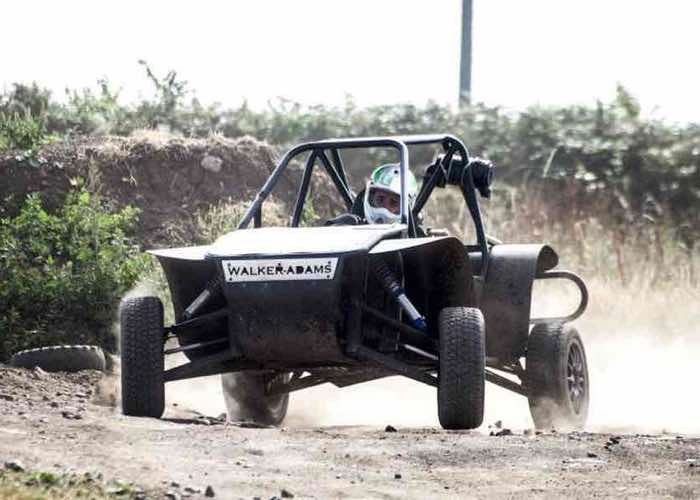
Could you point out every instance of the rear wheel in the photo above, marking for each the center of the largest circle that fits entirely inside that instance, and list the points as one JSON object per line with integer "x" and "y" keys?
{"x": 461, "y": 375}
{"x": 556, "y": 375}
{"x": 142, "y": 341}
{"x": 247, "y": 400}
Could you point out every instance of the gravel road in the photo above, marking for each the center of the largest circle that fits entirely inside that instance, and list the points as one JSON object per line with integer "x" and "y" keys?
{"x": 67, "y": 422}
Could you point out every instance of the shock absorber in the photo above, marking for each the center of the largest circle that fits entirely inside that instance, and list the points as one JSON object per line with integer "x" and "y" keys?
{"x": 212, "y": 287}
{"x": 393, "y": 287}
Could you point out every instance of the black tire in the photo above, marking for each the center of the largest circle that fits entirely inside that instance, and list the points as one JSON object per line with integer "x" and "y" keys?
{"x": 142, "y": 342}
{"x": 61, "y": 358}
{"x": 461, "y": 375}
{"x": 556, "y": 377}
{"x": 246, "y": 399}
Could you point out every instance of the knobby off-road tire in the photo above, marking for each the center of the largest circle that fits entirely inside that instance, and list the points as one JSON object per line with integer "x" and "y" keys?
{"x": 61, "y": 358}
{"x": 246, "y": 398}
{"x": 461, "y": 375}
{"x": 556, "y": 377}
{"x": 142, "y": 341}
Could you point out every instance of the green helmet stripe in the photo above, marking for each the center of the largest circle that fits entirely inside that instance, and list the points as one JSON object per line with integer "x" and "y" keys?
{"x": 386, "y": 176}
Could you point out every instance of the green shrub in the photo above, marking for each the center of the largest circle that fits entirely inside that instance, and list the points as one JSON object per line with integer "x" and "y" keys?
{"x": 63, "y": 274}
{"x": 21, "y": 132}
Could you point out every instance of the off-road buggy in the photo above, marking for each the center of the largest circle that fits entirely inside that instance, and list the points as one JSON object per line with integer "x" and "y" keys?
{"x": 280, "y": 309}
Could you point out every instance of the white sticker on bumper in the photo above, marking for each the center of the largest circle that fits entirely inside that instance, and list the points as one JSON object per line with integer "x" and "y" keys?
{"x": 243, "y": 270}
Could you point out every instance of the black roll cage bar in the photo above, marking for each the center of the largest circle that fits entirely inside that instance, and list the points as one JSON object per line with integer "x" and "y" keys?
{"x": 455, "y": 153}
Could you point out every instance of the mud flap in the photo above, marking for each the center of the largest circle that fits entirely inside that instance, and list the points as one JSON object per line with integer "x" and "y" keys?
{"x": 507, "y": 294}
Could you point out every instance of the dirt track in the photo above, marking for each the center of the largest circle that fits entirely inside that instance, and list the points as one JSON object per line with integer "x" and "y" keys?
{"x": 65, "y": 423}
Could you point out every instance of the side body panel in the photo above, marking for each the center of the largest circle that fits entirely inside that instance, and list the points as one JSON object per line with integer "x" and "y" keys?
{"x": 506, "y": 296}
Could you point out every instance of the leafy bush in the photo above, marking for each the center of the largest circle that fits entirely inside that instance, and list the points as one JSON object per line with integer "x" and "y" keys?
{"x": 23, "y": 112}
{"x": 21, "y": 132}
{"x": 86, "y": 112}
{"x": 63, "y": 274}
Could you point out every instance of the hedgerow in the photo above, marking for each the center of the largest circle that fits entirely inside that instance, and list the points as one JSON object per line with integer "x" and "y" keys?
{"x": 63, "y": 273}
{"x": 617, "y": 162}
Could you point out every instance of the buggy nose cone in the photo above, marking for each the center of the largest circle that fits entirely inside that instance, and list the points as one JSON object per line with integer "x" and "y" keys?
{"x": 292, "y": 241}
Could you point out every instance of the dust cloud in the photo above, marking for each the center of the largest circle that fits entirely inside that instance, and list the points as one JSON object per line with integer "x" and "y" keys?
{"x": 643, "y": 348}
{"x": 644, "y": 385}
{"x": 145, "y": 287}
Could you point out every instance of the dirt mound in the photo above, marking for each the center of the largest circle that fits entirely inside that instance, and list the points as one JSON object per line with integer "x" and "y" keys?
{"x": 168, "y": 178}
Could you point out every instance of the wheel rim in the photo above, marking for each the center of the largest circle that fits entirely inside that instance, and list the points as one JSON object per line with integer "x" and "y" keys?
{"x": 576, "y": 377}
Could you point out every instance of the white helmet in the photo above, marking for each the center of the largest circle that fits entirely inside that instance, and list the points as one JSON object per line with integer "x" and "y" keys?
{"x": 382, "y": 201}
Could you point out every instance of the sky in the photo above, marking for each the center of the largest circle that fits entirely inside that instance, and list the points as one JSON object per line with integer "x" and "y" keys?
{"x": 378, "y": 51}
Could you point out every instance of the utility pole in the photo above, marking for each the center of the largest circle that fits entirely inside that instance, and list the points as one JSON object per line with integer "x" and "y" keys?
{"x": 465, "y": 64}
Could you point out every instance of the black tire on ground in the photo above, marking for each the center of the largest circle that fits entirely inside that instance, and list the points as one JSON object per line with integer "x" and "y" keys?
{"x": 61, "y": 358}
{"x": 556, "y": 377}
{"x": 142, "y": 343}
{"x": 244, "y": 394}
{"x": 461, "y": 374}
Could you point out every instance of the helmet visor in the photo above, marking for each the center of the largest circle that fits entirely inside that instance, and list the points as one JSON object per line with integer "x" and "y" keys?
{"x": 381, "y": 198}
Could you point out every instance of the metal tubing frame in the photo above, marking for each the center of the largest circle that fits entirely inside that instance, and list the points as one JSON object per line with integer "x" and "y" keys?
{"x": 568, "y": 275}
{"x": 399, "y": 143}
{"x": 396, "y": 366}
{"x": 450, "y": 143}
{"x": 407, "y": 335}
{"x": 410, "y": 334}
{"x": 504, "y": 382}
{"x": 340, "y": 185}
{"x": 219, "y": 362}
{"x": 415, "y": 336}
{"x": 257, "y": 219}
{"x": 338, "y": 164}
{"x": 469, "y": 194}
{"x": 438, "y": 176}
{"x": 303, "y": 189}
{"x": 298, "y": 383}
{"x": 196, "y": 345}
{"x": 197, "y": 320}
{"x": 420, "y": 352}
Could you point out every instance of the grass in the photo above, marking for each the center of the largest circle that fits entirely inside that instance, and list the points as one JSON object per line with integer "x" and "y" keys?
{"x": 22, "y": 485}
{"x": 639, "y": 254}
{"x": 223, "y": 217}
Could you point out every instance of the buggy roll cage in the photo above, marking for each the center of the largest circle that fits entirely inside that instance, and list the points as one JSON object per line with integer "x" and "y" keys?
{"x": 453, "y": 167}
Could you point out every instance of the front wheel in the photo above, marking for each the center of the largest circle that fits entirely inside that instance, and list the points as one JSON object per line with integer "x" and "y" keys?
{"x": 556, "y": 376}
{"x": 461, "y": 374}
{"x": 142, "y": 341}
{"x": 246, "y": 398}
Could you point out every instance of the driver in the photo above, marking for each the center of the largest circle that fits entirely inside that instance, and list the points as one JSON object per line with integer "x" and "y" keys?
{"x": 382, "y": 200}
